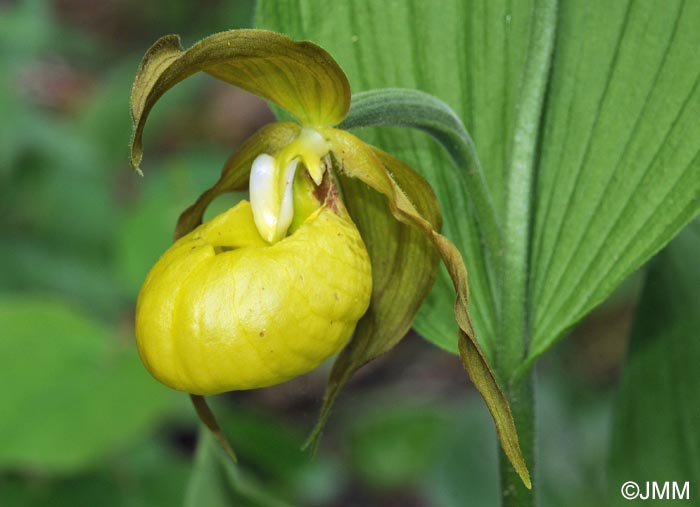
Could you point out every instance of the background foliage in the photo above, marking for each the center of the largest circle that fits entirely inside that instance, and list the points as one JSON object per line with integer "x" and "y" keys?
{"x": 83, "y": 423}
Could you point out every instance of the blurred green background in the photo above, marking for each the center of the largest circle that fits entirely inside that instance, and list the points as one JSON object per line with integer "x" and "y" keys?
{"x": 82, "y": 423}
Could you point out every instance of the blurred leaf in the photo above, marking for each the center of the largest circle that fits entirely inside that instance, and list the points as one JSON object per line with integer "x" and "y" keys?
{"x": 146, "y": 476}
{"x": 208, "y": 484}
{"x": 217, "y": 482}
{"x": 49, "y": 268}
{"x": 269, "y": 445}
{"x": 73, "y": 393}
{"x": 52, "y": 156}
{"x": 396, "y": 445}
{"x": 465, "y": 471}
{"x": 574, "y": 421}
{"x": 29, "y": 35}
{"x": 25, "y": 29}
{"x": 655, "y": 436}
{"x": 102, "y": 119}
{"x": 146, "y": 228}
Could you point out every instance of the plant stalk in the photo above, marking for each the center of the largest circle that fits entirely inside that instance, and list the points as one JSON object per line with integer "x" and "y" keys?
{"x": 522, "y": 404}
{"x": 515, "y": 307}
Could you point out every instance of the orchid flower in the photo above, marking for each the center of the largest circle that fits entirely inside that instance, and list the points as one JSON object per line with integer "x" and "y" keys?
{"x": 334, "y": 252}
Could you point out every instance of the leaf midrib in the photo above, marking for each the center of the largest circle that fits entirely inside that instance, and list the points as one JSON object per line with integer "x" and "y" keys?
{"x": 515, "y": 307}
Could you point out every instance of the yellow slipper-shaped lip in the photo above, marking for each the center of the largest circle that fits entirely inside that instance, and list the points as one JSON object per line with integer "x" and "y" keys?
{"x": 224, "y": 310}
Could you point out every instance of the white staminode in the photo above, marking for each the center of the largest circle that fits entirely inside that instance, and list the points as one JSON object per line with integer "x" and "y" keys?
{"x": 272, "y": 203}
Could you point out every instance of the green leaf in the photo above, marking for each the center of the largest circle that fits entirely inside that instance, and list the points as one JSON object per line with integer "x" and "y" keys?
{"x": 655, "y": 432}
{"x": 208, "y": 484}
{"x": 268, "y": 444}
{"x": 588, "y": 181}
{"x": 619, "y": 171}
{"x": 73, "y": 394}
{"x": 298, "y": 76}
{"x": 466, "y": 470}
{"x": 146, "y": 475}
{"x": 145, "y": 229}
{"x": 217, "y": 482}
{"x": 395, "y": 444}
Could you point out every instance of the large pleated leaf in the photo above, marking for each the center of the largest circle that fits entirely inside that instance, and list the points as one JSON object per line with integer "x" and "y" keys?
{"x": 655, "y": 433}
{"x": 620, "y": 160}
{"x": 298, "y": 76}
{"x": 592, "y": 167}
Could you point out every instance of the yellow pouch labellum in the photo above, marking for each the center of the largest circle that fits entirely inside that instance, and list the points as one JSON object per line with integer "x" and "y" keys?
{"x": 224, "y": 310}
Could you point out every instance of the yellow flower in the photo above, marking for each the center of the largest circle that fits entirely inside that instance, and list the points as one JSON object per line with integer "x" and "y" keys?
{"x": 337, "y": 236}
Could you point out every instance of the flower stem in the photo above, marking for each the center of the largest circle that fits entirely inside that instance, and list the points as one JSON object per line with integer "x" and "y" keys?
{"x": 522, "y": 403}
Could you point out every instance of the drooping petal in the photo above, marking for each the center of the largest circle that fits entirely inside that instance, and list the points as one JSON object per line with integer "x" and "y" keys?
{"x": 234, "y": 176}
{"x": 404, "y": 267}
{"x": 408, "y": 199}
{"x": 298, "y": 76}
